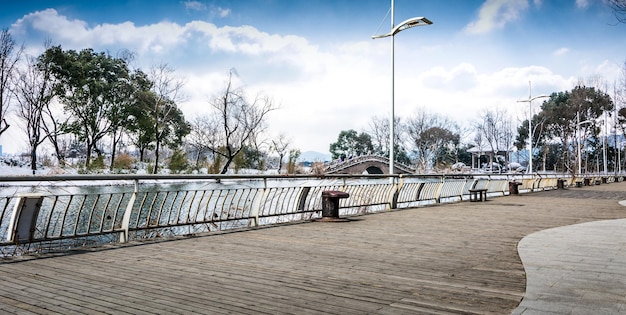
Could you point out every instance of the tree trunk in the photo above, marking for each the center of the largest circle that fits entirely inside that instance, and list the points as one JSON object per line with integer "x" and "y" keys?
{"x": 33, "y": 158}
{"x": 227, "y": 164}
{"x": 88, "y": 155}
{"x": 156, "y": 157}
{"x": 116, "y": 139}
{"x": 280, "y": 162}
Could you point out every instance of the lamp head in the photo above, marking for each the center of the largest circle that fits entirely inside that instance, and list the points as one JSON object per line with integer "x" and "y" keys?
{"x": 412, "y": 22}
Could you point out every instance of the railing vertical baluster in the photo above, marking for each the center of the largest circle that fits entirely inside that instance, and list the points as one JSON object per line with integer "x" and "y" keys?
{"x": 117, "y": 207}
{"x": 199, "y": 205}
{"x": 304, "y": 192}
{"x": 160, "y": 211}
{"x": 155, "y": 196}
{"x": 180, "y": 208}
{"x": 93, "y": 209}
{"x": 54, "y": 204}
{"x": 208, "y": 204}
{"x": 67, "y": 207}
{"x": 104, "y": 211}
{"x": 224, "y": 198}
{"x": 80, "y": 209}
{"x": 193, "y": 199}
{"x": 235, "y": 200}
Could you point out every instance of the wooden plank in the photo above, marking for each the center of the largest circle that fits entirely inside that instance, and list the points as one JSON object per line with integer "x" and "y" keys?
{"x": 452, "y": 258}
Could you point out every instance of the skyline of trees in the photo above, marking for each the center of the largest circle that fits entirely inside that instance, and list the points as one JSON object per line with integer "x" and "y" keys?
{"x": 81, "y": 102}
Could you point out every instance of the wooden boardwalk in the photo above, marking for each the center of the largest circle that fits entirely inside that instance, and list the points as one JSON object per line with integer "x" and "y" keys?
{"x": 449, "y": 259}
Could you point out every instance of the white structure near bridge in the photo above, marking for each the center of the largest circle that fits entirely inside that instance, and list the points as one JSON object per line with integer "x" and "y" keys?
{"x": 490, "y": 152}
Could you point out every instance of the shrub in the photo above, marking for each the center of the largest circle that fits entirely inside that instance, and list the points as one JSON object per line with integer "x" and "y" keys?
{"x": 123, "y": 162}
{"x": 178, "y": 162}
{"x": 97, "y": 163}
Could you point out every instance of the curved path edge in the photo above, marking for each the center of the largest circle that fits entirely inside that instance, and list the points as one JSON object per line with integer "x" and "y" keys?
{"x": 575, "y": 269}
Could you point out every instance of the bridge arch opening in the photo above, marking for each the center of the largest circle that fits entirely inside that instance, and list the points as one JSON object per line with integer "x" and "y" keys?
{"x": 374, "y": 170}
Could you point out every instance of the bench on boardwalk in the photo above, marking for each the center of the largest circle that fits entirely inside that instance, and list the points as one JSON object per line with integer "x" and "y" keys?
{"x": 478, "y": 194}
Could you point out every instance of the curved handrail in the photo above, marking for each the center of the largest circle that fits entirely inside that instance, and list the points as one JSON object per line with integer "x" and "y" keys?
{"x": 88, "y": 207}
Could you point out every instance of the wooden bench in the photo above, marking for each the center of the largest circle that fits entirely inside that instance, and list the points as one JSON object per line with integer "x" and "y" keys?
{"x": 478, "y": 194}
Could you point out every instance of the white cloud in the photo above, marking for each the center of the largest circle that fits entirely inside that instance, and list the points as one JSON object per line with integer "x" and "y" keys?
{"x": 221, "y": 12}
{"x": 245, "y": 39}
{"x": 321, "y": 90}
{"x": 461, "y": 77}
{"x": 582, "y": 4}
{"x": 495, "y": 14}
{"x": 194, "y": 5}
{"x": 561, "y": 51}
{"x": 77, "y": 34}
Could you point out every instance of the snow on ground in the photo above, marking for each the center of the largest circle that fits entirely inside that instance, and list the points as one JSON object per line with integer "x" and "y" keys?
{"x": 6, "y": 170}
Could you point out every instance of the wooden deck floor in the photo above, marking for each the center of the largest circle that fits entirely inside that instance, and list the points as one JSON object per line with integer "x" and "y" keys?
{"x": 458, "y": 258}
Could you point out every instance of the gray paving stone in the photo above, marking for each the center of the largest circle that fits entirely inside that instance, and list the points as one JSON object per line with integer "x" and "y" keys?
{"x": 576, "y": 269}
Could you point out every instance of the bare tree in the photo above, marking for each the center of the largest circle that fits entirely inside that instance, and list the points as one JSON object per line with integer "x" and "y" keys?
{"x": 431, "y": 136}
{"x": 10, "y": 55}
{"x": 280, "y": 146}
{"x": 619, "y": 9}
{"x": 238, "y": 120}
{"x": 33, "y": 90}
{"x": 620, "y": 100}
{"x": 167, "y": 92}
{"x": 202, "y": 136}
{"x": 495, "y": 131}
{"x": 379, "y": 132}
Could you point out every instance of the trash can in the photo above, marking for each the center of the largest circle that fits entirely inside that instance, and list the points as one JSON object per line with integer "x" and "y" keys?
{"x": 330, "y": 203}
{"x": 560, "y": 184}
{"x": 513, "y": 188}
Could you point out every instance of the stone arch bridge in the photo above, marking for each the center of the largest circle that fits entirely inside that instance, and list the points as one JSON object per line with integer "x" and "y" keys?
{"x": 367, "y": 164}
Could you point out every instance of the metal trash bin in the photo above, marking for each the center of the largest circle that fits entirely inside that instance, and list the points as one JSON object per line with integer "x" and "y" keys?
{"x": 513, "y": 188}
{"x": 330, "y": 203}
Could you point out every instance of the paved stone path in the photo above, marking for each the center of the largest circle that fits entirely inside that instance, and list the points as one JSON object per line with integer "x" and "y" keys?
{"x": 576, "y": 269}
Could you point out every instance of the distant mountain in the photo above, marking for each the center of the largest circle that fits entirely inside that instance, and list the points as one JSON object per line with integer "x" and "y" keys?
{"x": 313, "y": 156}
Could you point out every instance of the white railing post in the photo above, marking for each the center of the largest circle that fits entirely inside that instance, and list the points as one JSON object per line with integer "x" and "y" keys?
{"x": 257, "y": 204}
{"x": 439, "y": 188}
{"x": 127, "y": 213}
{"x": 395, "y": 191}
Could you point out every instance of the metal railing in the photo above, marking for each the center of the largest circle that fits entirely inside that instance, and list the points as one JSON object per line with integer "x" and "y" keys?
{"x": 82, "y": 210}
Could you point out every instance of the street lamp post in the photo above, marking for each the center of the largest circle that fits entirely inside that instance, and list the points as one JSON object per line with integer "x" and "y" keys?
{"x": 578, "y": 124}
{"x": 530, "y": 129}
{"x": 412, "y": 22}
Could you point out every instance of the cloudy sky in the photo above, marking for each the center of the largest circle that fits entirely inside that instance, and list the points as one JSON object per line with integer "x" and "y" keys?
{"x": 317, "y": 60}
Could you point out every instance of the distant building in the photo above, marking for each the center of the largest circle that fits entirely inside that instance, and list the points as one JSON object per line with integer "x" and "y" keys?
{"x": 489, "y": 152}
